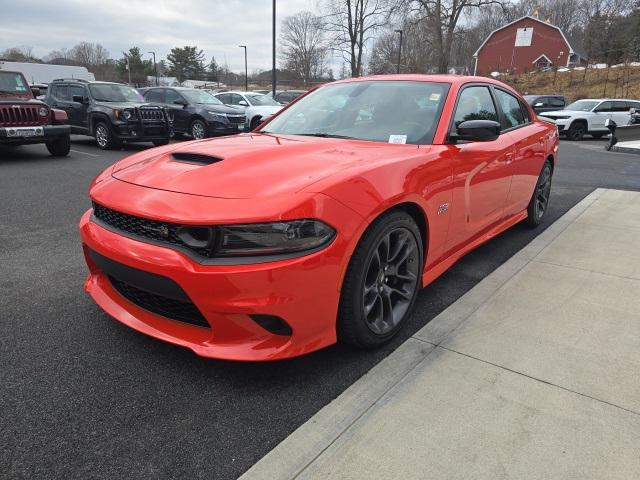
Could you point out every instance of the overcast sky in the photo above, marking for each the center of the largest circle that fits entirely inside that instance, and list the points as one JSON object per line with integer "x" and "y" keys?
{"x": 216, "y": 26}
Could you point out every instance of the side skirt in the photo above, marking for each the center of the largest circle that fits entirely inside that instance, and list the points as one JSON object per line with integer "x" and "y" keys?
{"x": 438, "y": 269}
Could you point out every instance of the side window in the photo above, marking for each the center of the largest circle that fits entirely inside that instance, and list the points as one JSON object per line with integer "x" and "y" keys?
{"x": 77, "y": 90}
{"x": 556, "y": 102}
{"x": 604, "y": 107}
{"x": 154, "y": 95}
{"x": 235, "y": 99}
{"x": 61, "y": 92}
{"x": 621, "y": 107}
{"x": 510, "y": 106}
{"x": 224, "y": 98}
{"x": 542, "y": 100}
{"x": 171, "y": 96}
{"x": 475, "y": 103}
{"x": 635, "y": 105}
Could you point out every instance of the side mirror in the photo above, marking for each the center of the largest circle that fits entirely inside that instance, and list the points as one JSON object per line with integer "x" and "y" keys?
{"x": 35, "y": 91}
{"x": 243, "y": 103}
{"x": 180, "y": 102}
{"x": 476, "y": 131}
{"x": 78, "y": 98}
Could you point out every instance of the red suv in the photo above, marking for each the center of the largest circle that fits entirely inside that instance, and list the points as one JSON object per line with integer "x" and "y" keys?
{"x": 25, "y": 120}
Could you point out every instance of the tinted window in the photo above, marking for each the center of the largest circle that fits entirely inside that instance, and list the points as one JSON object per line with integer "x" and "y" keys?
{"x": 61, "y": 92}
{"x": 635, "y": 105}
{"x": 605, "y": 107}
{"x": 525, "y": 112}
{"x": 621, "y": 107}
{"x": 224, "y": 98}
{"x": 510, "y": 106}
{"x": 475, "y": 103}
{"x": 540, "y": 102}
{"x": 76, "y": 90}
{"x": 556, "y": 102}
{"x": 172, "y": 96}
{"x": 154, "y": 96}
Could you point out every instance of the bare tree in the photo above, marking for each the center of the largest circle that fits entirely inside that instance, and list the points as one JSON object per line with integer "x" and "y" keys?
{"x": 303, "y": 47}
{"x": 89, "y": 55}
{"x": 19, "y": 54}
{"x": 352, "y": 23}
{"x": 441, "y": 18}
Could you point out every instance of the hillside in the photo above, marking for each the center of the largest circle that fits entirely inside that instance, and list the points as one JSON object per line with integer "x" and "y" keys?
{"x": 621, "y": 82}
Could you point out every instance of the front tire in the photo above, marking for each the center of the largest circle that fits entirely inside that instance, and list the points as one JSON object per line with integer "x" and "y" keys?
{"x": 105, "y": 138}
{"x": 576, "y": 131}
{"x": 198, "y": 130}
{"x": 598, "y": 135}
{"x": 254, "y": 123}
{"x": 382, "y": 281}
{"x": 60, "y": 147}
{"x": 539, "y": 202}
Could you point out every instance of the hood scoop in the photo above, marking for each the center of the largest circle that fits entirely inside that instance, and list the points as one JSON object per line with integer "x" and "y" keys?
{"x": 195, "y": 158}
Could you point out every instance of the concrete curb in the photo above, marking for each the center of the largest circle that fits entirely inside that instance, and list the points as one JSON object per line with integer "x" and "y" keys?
{"x": 294, "y": 454}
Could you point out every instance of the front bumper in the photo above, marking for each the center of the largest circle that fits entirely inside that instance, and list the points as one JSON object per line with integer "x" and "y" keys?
{"x": 141, "y": 131}
{"x": 302, "y": 291}
{"x": 49, "y": 132}
{"x": 216, "y": 128}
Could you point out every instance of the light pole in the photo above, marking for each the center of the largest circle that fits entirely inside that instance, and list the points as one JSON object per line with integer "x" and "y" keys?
{"x": 155, "y": 69}
{"x": 399, "y": 51}
{"x": 246, "y": 76}
{"x": 273, "y": 67}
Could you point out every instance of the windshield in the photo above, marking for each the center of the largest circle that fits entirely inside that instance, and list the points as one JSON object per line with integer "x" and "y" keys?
{"x": 383, "y": 111}
{"x": 13, "y": 83}
{"x": 261, "y": 100}
{"x": 582, "y": 105}
{"x": 200, "y": 96}
{"x": 104, "y": 92}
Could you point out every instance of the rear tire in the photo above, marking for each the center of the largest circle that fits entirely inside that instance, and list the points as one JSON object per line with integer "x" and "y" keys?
{"x": 576, "y": 131}
{"x": 382, "y": 281}
{"x": 60, "y": 147}
{"x": 105, "y": 138}
{"x": 539, "y": 203}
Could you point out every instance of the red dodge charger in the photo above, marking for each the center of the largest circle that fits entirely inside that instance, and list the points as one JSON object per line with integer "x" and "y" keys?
{"x": 323, "y": 223}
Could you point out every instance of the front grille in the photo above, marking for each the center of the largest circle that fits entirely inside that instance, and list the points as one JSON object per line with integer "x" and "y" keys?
{"x": 236, "y": 118}
{"x": 17, "y": 116}
{"x": 167, "y": 307}
{"x": 153, "y": 114}
{"x": 152, "y": 229}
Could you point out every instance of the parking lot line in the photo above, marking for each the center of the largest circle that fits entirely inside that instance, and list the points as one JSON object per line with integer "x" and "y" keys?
{"x": 85, "y": 153}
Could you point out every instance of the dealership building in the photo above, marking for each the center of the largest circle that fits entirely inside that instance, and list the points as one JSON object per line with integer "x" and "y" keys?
{"x": 526, "y": 45}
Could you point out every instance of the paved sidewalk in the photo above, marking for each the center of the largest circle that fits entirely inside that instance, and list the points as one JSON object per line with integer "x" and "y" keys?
{"x": 533, "y": 374}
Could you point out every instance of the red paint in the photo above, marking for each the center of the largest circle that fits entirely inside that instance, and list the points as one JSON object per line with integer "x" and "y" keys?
{"x": 344, "y": 183}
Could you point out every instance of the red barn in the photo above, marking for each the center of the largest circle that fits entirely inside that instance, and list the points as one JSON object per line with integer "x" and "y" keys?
{"x": 525, "y": 45}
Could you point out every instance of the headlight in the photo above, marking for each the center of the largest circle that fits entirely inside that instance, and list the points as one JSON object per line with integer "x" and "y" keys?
{"x": 271, "y": 238}
{"x": 43, "y": 111}
{"x": 217, "y": 115}
{"x": 127, "y": 115}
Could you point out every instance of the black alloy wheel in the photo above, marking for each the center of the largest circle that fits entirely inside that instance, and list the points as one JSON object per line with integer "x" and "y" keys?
{"x": 198, "y": 130}
{"x": 382, "y": 281}
{"x": 540, "y": 200}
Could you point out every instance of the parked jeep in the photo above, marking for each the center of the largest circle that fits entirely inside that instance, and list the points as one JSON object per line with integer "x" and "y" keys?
{"x": 25, "y": 120}
{"x": 113, "y": 113}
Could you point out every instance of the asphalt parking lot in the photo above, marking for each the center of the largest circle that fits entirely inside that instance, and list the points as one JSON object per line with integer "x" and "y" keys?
{"x": 86, "y": 397}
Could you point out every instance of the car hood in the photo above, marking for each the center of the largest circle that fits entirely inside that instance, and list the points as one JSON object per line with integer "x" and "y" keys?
{"x": 251, "y": 165}
{"x": 562, "y": 113}
{"x": 220, "y": 109}
{"x": 123, "y": 105}
{"x": 264, "y": 110}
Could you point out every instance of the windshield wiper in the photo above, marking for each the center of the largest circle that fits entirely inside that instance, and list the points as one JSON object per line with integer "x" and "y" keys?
{"x": 325, "y": 135}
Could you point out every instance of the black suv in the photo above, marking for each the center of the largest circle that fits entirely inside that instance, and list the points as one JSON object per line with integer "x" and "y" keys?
{"x": 113, "y": 113}
{"x": 545, "y": 103}
{"x": 196, "y": 112}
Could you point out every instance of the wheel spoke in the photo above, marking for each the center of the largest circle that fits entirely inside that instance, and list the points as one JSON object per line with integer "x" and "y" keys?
{"x": 402, "y": 293}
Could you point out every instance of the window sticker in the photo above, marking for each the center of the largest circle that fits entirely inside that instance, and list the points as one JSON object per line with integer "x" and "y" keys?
{"x": 434, "y": 97}
{"x": 20, "y": 85}
{"x": 401, "y": 139}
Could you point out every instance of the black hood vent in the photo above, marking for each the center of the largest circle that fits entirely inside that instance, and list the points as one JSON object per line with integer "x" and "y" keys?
{"x": 195, "y": 158}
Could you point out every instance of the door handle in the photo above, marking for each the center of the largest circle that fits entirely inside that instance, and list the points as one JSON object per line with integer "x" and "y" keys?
{"x": 508, "y": 158}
